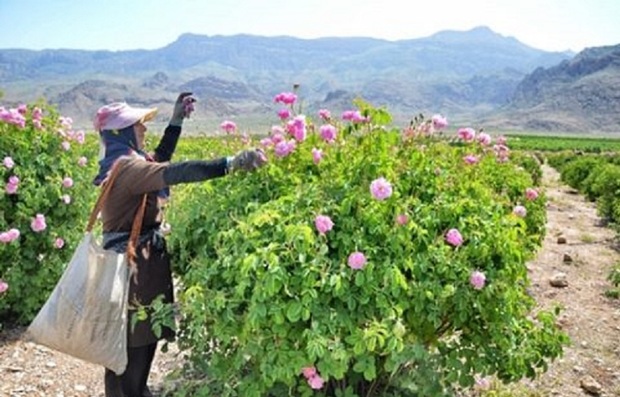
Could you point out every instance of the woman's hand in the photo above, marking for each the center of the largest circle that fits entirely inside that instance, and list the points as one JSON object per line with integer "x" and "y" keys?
{"x": 183, "y": 107}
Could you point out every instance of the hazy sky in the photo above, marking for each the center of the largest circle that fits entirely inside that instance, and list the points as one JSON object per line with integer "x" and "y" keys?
{"x": 553, "y": 25}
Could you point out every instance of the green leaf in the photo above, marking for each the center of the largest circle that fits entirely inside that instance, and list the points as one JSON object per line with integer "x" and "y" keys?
{"x": 293, "y": 311}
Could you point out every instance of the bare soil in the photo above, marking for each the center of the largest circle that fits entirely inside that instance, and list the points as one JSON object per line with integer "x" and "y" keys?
{"x": 592, "y": 321}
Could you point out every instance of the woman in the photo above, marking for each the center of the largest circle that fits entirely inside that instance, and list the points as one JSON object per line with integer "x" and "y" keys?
{"x": 122, "y": 132}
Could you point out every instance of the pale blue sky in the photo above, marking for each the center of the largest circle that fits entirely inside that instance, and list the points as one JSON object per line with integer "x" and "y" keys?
{"x": 553, "y": 25}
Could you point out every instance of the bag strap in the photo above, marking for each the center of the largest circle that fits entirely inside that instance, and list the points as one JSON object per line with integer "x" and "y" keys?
{"x": 137, "y": 221}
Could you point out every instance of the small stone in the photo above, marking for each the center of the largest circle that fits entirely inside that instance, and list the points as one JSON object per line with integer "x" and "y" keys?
{"x": 80, "y": 388}
{"x": 559, "y": 280}
{"x": 591, "y": 386}
{"x": 50, "y": 364}
{"x": 561, "y": 240}
{"x": 567, "y": 258}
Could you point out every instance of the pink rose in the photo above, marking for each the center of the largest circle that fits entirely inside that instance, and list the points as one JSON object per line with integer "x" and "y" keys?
{"x": 38, "y": 223}
{"x": 323, "y": 224}
{"x": 328, "y": 132}
{"x": 454, "y": 238}
{"x": 284, "y": 114}
{"x": 520, "y": 211}
{"x": 228, "y": 126}
{"x": 531, "y": 194}
{"x": 439, "y": 122}
{"x": 380, "y": 189}
{"x": 309, "y": 372}
{"x": 67, "y": 182}
{"x": 316, "y": 382}
{"x": 317, "y": 155}
{"x": 402, "y": 219}
{"x": 325, "y": 114}
{"x": 477, "y": 279}
{"x": 8, "y": 162}
{"x": 466, "y": 134}
{"x": 357, "y": 260}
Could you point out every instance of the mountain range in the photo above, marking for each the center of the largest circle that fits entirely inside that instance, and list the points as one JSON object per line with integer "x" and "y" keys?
{"x": 475, "y": 77}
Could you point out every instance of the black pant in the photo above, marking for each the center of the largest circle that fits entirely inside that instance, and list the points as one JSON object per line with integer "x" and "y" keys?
{"x": 132, "y": 382}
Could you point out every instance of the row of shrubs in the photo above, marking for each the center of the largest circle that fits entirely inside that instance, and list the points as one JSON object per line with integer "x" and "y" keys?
{"x": 597, "y": 176}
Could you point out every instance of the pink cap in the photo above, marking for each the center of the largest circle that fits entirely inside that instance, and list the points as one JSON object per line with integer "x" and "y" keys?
{"x": 119, "y": 115}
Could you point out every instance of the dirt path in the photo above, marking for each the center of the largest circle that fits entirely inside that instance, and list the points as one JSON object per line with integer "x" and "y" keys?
{"x": 591, "y": 320}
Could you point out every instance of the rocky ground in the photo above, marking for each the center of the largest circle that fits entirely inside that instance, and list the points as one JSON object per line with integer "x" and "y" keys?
{"x": 576, "y": 257}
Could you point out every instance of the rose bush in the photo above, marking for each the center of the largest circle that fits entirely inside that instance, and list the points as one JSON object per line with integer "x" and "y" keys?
{"x": 361, "y": 261}
{"x": 45, "y": 197}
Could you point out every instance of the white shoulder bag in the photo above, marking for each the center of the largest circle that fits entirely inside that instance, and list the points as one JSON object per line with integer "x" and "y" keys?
{"x": 86, "y": 314}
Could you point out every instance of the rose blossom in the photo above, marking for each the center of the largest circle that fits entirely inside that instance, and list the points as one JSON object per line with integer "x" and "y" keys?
{"x": 454, "y": 238}
{"x": 466, "y": 134}
{"x": 380, "y": 189}
{"x": 484, "y": 139}
{"x": 357, "y": 260}
{"x": 59, "y": 243}
{"x": 323, "y": 224}
{"x": 284, "y": 113}
{"x": 520, "y": 210}
{"x": 477, "y": 279}
{"x": 308, "y": 372}
{"x": 228, "y": 126}
{"x": 67, "y": 182}
{"x": 38, "y": 223}
{"x": 317, "y": 155}
{"x": 471, "y": 159}
{"x": 439, "y": 122}
{"x": 531, "y": 194}
{"x": 8, "y": 162}
{"x": 316, "y": 382}
{"x": 328, "y": 132}
{"x": 3, "y": 286}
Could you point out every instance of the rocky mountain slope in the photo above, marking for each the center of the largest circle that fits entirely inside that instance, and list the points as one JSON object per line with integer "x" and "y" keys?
{"x": 580, "y": 94}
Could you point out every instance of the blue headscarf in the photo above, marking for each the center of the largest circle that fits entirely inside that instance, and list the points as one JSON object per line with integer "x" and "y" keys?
{"x": 117, "y": 143}
{"x": 120, "y": 143}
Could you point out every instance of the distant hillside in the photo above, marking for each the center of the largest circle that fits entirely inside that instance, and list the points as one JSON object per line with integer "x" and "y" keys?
{"x": 580, "y": 94}
{"x": 461, "y": 74}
